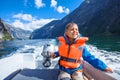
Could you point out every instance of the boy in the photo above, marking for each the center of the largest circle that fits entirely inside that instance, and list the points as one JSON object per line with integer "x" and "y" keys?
{"x": 71, "y": 49}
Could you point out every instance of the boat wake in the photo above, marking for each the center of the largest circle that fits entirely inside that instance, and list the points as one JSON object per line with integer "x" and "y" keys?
{"x": 29, "y": 56}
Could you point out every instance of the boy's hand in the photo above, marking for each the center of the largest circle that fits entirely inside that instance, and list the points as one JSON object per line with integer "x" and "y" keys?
{"x": 108, "y": 70}
{"x": 53, "y": 55}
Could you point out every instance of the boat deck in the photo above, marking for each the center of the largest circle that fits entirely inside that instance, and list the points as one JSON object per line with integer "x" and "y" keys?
{"x": 34, "y": 74}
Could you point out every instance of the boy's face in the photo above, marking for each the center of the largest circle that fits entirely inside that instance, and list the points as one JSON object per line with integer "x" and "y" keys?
{"x": 72, "y": 32}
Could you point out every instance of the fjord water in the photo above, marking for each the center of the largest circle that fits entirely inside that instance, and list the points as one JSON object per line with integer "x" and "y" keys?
{"x": 108, "y": 43}
{"x": 106, "y": 48}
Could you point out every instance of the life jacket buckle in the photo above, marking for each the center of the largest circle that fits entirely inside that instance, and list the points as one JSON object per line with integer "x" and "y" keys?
{"x": 78, "y": 61}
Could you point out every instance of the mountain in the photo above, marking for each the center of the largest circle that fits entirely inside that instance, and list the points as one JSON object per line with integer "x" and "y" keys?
{"x": 8, "y": 32}
{"x": 94, "y": 17}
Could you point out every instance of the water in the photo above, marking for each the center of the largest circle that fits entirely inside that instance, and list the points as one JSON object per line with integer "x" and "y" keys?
{"x": 109, "y": 43}
{"x": 6, "y": 48}
{"x": 105, "y": 48}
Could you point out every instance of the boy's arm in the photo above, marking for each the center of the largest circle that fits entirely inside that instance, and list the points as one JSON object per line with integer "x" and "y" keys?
{"x": 97, "y": 63}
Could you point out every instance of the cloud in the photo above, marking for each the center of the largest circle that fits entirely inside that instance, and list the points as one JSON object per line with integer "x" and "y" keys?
{"x": 53, "y": 3}
{"x": 37, "y": 23}
{"x": 59, "y": 9}
{"x": 32, "y": 24}
{"x": 18, "y": 24}
{"x": 25, "y": 17}
{"x": 39, "y": 3}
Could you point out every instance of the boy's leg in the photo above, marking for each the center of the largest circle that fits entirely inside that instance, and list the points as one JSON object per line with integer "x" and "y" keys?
{"x": 77, "y": 76}
{"x": 64, "y": 76}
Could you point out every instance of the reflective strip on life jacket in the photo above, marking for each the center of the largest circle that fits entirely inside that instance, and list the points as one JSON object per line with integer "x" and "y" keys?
{"x": 70, "y": 59}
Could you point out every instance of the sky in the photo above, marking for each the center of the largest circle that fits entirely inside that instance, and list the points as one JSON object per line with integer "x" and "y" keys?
{"x": 33, "y": 14}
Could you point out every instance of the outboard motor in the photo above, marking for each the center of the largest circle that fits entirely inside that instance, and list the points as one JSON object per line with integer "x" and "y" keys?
{"x": 47, "y": 49}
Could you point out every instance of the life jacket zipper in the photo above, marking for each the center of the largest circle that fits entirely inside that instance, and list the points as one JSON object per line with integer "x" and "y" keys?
{"x": 69, "y": 49}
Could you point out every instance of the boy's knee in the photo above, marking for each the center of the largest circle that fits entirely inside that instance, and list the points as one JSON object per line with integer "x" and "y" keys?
{"x": 77, "y": 76}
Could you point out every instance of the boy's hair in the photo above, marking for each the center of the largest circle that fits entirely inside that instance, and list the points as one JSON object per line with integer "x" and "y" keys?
{"x": 69, "y": 24}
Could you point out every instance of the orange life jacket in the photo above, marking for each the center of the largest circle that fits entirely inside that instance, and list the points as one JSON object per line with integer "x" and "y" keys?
{"x": 70, "y": 55}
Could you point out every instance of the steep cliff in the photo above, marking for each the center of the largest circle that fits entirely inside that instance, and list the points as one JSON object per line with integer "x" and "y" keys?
{"x": 8, "y": 32}
{"x": 95, "y": 17}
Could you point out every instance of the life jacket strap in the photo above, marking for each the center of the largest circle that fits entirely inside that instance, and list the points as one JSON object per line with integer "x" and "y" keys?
{"x": 70, "y": 59}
